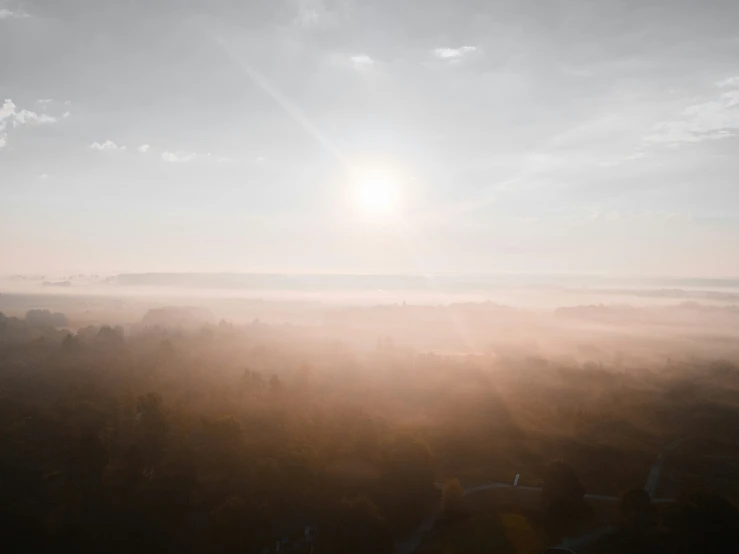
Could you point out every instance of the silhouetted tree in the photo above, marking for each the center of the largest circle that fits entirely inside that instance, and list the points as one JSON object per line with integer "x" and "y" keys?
{"x": 562, "y": 494}
{"x": 239, "y": 527}
{"x": 407, "y": 482}
{"x": 110, "y": 338}
{"x": 702, "y": 522}
{"x": 637, "y": 510}
{"x": 152, "y": 426}
{"x": 275, "y": 385}
{"x": 70, "y": 344}
{"x": 87, "y": 462}
{"x": 358, "y": 527}
{"x": 561, "y": 484}
{"x": 45, "y": 317}
{"x": 452, "y": 498}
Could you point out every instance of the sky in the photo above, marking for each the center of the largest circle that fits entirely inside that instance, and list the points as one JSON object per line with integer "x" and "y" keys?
{"x": 567, "y": 136}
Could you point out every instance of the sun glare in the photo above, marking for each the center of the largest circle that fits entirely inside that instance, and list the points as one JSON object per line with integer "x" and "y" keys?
{"x": 377, "y": 194}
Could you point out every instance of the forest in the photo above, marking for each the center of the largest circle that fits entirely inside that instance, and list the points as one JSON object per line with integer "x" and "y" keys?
{"x": 249, "y": 437}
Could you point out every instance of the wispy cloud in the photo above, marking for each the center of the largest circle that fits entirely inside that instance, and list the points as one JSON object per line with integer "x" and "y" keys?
{"x": 637, "y": 156}
{"x": 107, "y": 145}
{"x": 712, "y": 120}
{"x": 177, "y": 157}
{"x": 356, "y": 62}
{"x": 729, "y": 82}
{"x": 454, "y": 54}
{"x": 46, "y": 103}
{"x": 183, "y": 157}
{"x": 169, "y": 156}
{"x": 362, "y": 61}
{"x": 6, "y": 13}
{"x": 315, "y": 15}
{"x": 217, "y": 159}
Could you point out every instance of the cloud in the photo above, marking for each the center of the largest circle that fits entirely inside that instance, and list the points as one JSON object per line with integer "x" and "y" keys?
{"x": 308, "y": 18}
{"x": 5, "y": 13}
{"x": 27, "y": 116}
{"x": 636, "y": 156}
{"x": 357, "y": 62}
{"x": 454, "y": 54}
{"x": 7, "y": 109}
{"x": 183, "y": 157}
{"x": 712, "y": 120}
{"x": 218, "y": 159}
{"x": 168, "y": 156}
{"x": 177, "y": 157}
{"x": 315, "y": 15}
{"x": 11, "y": 116}
{"x": 730, "y": 82}
{"x": 362, "y": 61}
{"x": 107, "y": 145}
{"x": 9, "y": 113}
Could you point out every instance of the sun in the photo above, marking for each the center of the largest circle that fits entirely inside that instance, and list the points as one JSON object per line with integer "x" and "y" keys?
{"x": 377, "y": 194}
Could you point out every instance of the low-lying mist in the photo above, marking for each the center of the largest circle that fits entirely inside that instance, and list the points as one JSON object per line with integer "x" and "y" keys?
{"x": 278, "y": 409}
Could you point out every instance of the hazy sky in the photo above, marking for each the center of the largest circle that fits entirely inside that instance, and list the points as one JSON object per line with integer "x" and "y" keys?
{"x": 558, "y": 136}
